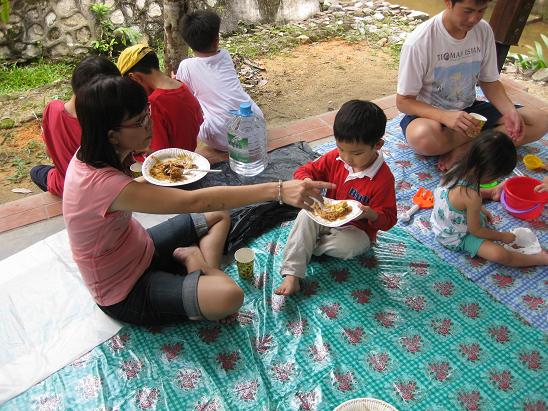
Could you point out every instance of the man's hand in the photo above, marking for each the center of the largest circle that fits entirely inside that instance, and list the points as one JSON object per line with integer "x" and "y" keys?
{"x": 459, "y": 121}
{"x": 543, "y": 187}
{"x": 367, "y": 213}
{"x": 514, "y": 125}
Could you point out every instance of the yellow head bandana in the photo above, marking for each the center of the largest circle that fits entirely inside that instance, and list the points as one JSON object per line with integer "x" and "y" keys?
{"x": 131, "y": 56}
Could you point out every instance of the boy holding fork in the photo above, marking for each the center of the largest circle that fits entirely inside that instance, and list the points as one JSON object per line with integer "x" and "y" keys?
{"x": 357, "y": 168}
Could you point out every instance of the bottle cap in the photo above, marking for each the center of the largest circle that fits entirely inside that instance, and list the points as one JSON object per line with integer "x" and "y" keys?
{"x": 245, "y": 109}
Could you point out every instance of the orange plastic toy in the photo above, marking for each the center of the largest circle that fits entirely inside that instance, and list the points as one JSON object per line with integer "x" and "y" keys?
{"x": 423, "y": 199}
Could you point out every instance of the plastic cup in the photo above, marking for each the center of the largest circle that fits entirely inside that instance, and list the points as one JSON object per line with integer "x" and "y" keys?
{"x": 245, "y": 257}
{"x": 475, "y": 130}
{"x": 136, "y": 169}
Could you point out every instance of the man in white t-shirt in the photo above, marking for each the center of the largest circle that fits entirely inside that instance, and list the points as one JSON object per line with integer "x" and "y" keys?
{"x": 211, "y": 77}
{"x": 441, "y": 62}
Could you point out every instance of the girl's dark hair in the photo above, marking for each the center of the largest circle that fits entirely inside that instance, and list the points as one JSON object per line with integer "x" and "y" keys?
{"x": 492, "y": 155}
{"x": 101, "y": 106}
{"x": 89, "y": 68}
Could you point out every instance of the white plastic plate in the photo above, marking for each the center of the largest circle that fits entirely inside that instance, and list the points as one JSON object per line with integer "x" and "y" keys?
{"x": 356, "y": 211}
{"x": 168, "y": 153}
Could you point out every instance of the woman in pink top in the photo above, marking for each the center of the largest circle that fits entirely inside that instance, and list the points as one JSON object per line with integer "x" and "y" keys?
{"x": 170, "y": 272}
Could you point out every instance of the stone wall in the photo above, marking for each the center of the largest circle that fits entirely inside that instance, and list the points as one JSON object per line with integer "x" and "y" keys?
{"x": 66, "y": 28}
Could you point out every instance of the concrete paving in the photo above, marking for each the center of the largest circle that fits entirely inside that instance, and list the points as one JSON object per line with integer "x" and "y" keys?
{"x": 20, "y": 238}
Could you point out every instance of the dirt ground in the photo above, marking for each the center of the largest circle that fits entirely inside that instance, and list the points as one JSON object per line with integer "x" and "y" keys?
{"x": 316, "y": 78}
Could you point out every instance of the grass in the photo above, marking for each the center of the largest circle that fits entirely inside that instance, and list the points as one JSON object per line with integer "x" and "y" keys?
{"x": 19, "y": 162}
{"x": 15, "y": 78}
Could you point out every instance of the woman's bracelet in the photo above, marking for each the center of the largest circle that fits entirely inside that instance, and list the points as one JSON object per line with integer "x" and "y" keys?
{"x": 280, "y": 183}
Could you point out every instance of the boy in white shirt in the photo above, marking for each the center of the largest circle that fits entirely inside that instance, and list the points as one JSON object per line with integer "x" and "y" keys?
{"x": 211, "y": 77}
{"x": 440, "y": 64}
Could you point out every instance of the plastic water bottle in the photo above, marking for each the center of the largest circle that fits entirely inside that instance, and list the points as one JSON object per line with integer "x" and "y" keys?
{"x": 246, "y": 141}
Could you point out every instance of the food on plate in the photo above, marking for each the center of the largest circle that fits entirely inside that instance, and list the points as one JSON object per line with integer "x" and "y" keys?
{"x": 333, "y": 211}
{"x": 172, "y": 169}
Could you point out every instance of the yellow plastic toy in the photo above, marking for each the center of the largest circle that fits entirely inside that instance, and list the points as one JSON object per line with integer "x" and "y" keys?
{"x": 532, "y": 162}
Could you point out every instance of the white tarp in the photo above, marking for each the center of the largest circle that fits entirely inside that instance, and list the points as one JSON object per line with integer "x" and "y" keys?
{"x": 48, "y": 318}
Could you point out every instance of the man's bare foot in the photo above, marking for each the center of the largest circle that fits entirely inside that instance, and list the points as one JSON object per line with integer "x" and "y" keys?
{"x": 289, "y": 286}
{"x": 493, "y": 193}
{"x": 447, "y": 160}
{"x": 184, "y": 254}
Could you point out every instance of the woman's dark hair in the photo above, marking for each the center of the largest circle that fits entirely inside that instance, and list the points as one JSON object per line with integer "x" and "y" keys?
{"x": 359, "y": 121}
{"x": 101, "y": 106}
{"x": 90, "y": 67}
{"x": 492, "y": 155}
{"x": 200, "y": 29}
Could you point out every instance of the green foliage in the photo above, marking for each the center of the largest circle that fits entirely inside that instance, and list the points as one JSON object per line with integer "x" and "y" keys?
{"x": 110, "y": 40}
{"x": 535, "y": 59}
{"x": 127, "y": 35}
{"x": 16, "y": 77}
{"x": 21, "y": 167}
{"x": 4, "y": 11}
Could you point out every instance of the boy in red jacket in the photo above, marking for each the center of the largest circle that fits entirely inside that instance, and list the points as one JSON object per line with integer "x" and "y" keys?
{"x": 357, "y": 167}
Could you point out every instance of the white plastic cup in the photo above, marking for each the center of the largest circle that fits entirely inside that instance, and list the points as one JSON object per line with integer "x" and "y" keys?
{"x": 473, "y": 131}
{"x": 245, "y": 257}
{"x": 136, "y": 169}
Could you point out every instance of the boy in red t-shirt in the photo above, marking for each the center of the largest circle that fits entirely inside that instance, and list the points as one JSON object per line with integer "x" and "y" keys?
{"x": 61, "y": 130}
{"x": 176, "y": 114}
{"x": 357, "y": 167}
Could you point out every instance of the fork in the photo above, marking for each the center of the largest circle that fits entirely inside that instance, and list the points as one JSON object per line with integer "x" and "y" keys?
{"x": 205, "y": 170}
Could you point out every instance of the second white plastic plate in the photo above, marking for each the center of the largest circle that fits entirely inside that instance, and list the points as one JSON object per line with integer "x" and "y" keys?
{"x": 356, "y": 211}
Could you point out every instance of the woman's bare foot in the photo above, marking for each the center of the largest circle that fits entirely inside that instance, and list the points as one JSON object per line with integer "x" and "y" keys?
{"x": 290, "y": 285}
{"x": 190, "y": 257}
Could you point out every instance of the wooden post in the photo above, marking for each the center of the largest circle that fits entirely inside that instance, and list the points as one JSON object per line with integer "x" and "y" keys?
{"x": 508, "y": 20}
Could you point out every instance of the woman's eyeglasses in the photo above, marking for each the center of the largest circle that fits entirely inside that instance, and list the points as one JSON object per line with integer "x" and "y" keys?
{"x": 141, "y": 123}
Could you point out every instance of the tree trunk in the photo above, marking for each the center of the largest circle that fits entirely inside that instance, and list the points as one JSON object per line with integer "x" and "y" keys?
{"x": 175, "y": 47}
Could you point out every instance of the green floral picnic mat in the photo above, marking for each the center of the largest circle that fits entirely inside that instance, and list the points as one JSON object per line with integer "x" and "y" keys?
{"x": 398, "y": 324}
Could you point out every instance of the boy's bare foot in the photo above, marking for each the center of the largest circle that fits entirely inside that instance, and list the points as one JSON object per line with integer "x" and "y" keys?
{"x": 290, "y": 285}
{"x": 184, "y": 254}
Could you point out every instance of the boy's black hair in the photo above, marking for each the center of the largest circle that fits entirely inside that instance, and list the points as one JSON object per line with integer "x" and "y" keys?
{"x": 101, "y": 106}
{"x": 492, "y": 155}
{"x": 200, "y": 29}
{"x": 146, "y": 64}
{"x": 90, "y": 67}
{"x": 359, "y": 121}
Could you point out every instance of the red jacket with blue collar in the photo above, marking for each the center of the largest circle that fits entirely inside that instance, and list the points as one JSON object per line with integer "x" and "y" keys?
{"x": 377, "y": 192}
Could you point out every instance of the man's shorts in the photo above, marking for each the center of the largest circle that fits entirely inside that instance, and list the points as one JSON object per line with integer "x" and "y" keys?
{"x": 484, "y": 108}
{"x": 165, "y": 293}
